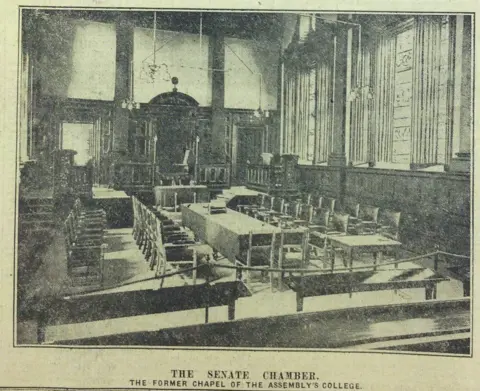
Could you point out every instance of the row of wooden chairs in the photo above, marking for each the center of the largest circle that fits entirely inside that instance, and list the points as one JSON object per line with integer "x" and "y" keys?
{"x": 84, "y": 241}
{"x": 321, "y": 213}
{"x": 161, "y": 239}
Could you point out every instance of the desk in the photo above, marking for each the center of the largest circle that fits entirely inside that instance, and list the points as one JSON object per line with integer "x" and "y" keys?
{"x": 165, "y": 195}
{"x": 226, "y": 232}
{"x": 354, "y": 244}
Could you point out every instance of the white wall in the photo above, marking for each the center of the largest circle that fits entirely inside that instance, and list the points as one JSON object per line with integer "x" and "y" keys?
{"x": 184, "y": 58}
{"x": 245, "y": 61}
{"x": 85, "y": 69}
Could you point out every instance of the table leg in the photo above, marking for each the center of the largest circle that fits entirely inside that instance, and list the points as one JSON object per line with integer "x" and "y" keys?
{"x": 466, "y": 288}
{"x": 299, "y": 301}
{"x": 332, "y": 258}
{"x": 344, "y": 259}
{"x": 231, "y": 309}
{"x": 429, "y": 291}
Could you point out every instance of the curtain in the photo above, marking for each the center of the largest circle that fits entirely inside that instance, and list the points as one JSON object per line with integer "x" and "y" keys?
{"x": 381, "y": 141}
{"x": 426, "y": 90}
{"x": 297, "y": 112}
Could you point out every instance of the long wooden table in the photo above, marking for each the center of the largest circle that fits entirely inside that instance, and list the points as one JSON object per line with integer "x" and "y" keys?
{"x": 227, "y": 233}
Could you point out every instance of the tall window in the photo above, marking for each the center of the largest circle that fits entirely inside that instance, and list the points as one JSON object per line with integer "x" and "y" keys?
{"x": 307, "y": 101}
{"x": 404, "y": 118}
{"x": 401, "y": 97}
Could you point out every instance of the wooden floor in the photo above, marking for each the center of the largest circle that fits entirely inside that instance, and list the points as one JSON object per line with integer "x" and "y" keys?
{"x": 126, "y": 269}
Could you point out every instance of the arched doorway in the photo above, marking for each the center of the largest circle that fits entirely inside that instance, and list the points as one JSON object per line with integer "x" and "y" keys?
{"x": 172, "y": 118}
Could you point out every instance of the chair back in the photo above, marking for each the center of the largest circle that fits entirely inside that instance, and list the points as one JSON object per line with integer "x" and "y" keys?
{"x": 328, "y": 203}
{"x": 293, "y": 209}
{"x": 306, "y": 198}
{"x": 305, "y": 212}
{"x": 339, "y": 222}
{"x": 278, "y": 204}
{"x": 352, "y": 208}
{"x": 389, "y": 222}
{"x": 368, "y": 213}
{"x": 321, "y": 218}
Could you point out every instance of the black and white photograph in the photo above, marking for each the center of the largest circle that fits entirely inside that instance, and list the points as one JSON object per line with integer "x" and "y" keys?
{"x": 255, "y": 180}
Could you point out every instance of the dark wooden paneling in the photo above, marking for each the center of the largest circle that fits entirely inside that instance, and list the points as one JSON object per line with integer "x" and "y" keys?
{"x": 435, "y": 206}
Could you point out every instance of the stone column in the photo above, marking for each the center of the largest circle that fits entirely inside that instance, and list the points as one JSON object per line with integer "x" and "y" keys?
{"x": 462, "y": 123}
{"x": 218, "y": 99}
{"x": 338, "y": 156}
{"x": 124, "y": 33}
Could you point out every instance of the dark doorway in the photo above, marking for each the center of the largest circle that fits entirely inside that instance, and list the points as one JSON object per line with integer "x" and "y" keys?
{"x": 249, "y": 149}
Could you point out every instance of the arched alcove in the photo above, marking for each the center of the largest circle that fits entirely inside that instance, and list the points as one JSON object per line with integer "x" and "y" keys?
{"x": 172, "y": 117}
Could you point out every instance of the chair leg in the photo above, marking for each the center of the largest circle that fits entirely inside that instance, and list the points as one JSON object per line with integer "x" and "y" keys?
{"x": 153, "y": 260}
{"x": 139, "y": 238}
{"x": 148, "y": 253}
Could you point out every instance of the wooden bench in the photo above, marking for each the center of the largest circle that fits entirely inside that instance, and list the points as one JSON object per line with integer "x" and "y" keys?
{"x": 364, "y": 281}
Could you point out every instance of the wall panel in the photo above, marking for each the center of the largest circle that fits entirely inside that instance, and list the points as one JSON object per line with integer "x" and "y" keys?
{"x": 435, "y": 206}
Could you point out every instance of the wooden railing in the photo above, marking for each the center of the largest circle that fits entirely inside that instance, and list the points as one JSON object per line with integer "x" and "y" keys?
{"x": 136, "y": 175}
{"x": 259, "y": 175}
{"x": 272, "y": 178}
{"x": 214, "y": 175}
{"x": 132, "y": 175}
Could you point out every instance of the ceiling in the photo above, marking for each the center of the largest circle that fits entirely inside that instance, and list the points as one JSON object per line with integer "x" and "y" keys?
{"x": 247, "y": 25}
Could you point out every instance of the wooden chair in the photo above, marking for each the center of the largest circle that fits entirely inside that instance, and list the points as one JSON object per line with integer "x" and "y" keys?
{"x": 242, "y": 208}
{"x": 266, "y": 204}
{"x": 329, "y": 204}
{"x": 85, "y": 254}
{"x": 389, "y": 223}
{"x": 352, "y": 208}
{"x": 306, "y": 198}
{"x": 276, "y": 210}
{"x": 366, "y": 222}
{"x": 290, "y": 214}
{"x": 323, "y": 226}
{"x": 304, "y": 216}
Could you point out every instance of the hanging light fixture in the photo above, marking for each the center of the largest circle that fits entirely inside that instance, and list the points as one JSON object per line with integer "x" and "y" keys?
{"x": 129, "y": 103}
{"x": 153, "y": 70}
{"x": 259, "y": 113}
